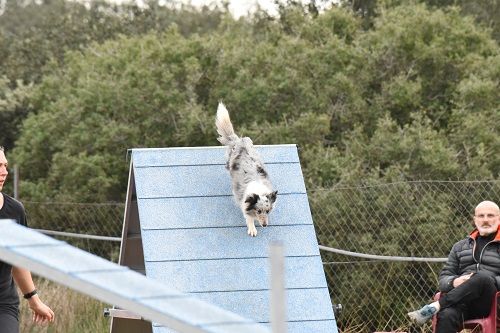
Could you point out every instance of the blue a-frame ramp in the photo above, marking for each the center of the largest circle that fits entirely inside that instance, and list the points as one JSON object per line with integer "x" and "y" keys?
{"x": 194, "y": 236}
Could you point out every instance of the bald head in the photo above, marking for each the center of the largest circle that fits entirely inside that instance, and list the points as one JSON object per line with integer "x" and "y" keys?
{"x": 488, "y": 204}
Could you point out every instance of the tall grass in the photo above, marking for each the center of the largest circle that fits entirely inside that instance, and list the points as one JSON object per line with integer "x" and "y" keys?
{"x": 74, "y": 312}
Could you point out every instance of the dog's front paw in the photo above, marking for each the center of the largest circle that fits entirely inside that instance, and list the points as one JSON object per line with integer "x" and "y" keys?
{"x": 252, "y": 231}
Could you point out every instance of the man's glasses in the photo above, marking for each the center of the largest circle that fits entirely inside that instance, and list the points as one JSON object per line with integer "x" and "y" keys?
{"x": 488, "y": 216}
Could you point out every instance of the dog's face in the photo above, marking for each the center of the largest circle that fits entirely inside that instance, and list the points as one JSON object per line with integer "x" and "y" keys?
{"x": 259, "y": 206}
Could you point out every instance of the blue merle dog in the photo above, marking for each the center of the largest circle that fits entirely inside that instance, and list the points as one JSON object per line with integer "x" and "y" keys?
{"x": 252, "y": 188}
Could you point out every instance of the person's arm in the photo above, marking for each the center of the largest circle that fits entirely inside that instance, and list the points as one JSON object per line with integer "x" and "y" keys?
{"x": 41, "y": 313}
{"x": 450, "y": 271}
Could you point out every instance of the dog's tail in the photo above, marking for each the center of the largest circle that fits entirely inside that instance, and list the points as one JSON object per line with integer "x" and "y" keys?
{"x": 224, "y": 126}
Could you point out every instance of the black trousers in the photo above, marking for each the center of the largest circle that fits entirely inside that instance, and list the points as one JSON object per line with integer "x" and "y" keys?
{"x": 472, "y": 299}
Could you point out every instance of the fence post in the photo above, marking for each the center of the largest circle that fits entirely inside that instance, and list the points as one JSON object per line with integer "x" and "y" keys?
{"x": 278, "y": 297}
{"x": 16, "y": 182}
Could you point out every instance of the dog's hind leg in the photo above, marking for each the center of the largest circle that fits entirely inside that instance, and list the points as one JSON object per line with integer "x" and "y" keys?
{"x": 252, "y": 231}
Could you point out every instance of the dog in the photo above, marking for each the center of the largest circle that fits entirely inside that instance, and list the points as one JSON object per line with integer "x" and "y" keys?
{"x": 251, "y": 186}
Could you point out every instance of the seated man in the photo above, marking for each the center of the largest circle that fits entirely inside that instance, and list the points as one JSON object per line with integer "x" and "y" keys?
{"x": 471, "y": 275}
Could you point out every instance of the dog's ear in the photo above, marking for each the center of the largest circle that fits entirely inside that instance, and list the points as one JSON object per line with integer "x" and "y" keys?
{"x": 272, "y": 196}
{"x": 251, "y": 200}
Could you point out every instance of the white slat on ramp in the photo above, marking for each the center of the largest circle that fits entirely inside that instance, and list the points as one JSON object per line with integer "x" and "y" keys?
{"x": 114, "y": 284}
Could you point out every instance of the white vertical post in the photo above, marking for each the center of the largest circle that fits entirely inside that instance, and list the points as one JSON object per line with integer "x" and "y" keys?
{"x": 16, "y": 182}
{"x": 278, "y": 297}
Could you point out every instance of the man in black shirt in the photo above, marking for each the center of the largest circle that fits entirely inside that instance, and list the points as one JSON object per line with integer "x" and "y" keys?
{"x": 10, "y": 276}
{"x": 471, "y": 275}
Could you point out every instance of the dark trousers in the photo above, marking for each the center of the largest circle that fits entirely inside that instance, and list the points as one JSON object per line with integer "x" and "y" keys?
{"x": 472, "y": 299}
{"x": 8, "y": 323}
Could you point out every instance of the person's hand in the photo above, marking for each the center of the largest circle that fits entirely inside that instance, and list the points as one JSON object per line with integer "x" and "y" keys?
{"x": 42, "y": 314}
{"x": 461, "y": 279}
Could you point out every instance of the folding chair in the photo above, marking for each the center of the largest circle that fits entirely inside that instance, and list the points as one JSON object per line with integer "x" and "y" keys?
{"x": 487, "y": 324}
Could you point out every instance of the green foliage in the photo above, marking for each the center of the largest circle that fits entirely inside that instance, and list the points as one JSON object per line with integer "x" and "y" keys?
{"x": 475, "y": 120}
{"x": 415, "y": 151}
{"x": 406, "y": 100}
{"x": 37, "y": 47}
{"x": 425, "y": 54}
{"x": 131, "y": 92}
{"x": 54, "y": 27}
{"x": 484, "y": 12}
{"x": 307, "y": 129}
{"x": 14, "y": 103}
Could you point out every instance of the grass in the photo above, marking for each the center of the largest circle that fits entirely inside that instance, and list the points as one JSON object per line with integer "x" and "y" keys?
{"x": 78, "y": 313}
{"x": 74, "y": 312}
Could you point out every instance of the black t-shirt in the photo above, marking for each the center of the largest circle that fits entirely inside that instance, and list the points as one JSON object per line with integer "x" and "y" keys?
{"x": 9, "y": 299}
{"x": 481, "y": 242}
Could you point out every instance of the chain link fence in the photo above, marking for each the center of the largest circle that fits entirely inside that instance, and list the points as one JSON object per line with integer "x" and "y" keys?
{"x": 417, "y": 219}
{"x": 408, "y": 219}
{"x": 84, "y": 219}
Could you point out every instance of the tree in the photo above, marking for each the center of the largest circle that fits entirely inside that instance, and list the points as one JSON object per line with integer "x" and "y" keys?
{"x": 37, "y": 47}
{"x": 485, "y": 12}
{"x": 131, "y": 92}
{"x": 398, "y": 102}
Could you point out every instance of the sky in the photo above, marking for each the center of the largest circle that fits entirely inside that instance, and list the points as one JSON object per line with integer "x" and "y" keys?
{"x": 240, "y": 7}
{"x": 237, "y": 7}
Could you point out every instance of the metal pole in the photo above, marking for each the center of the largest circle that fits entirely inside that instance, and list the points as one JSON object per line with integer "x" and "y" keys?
{"x": 16, "y": 182}
{"x": 278, "y": 297}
